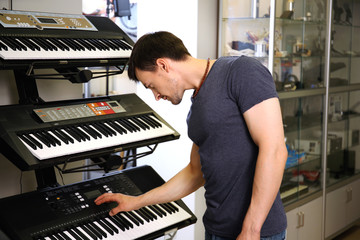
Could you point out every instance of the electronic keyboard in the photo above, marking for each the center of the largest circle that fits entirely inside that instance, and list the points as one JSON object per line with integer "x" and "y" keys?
{"x": 68, "y": 212}
{"x": 46, "y": 134}
{"x": 59, "y": 39}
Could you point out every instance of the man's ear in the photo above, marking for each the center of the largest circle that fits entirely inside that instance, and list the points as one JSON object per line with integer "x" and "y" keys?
{"x": 163, "y": 64}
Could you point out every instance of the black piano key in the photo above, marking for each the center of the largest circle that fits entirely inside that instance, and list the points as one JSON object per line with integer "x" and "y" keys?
{"x": 150, "y": 213}
{"x": 105, "y": 226}
{"x": 122, "y": 221}
{"x": 72, "y": 133}
{"x": 42, "y": 139}
{"x": 27, "y": 141}
{"x": 18, "y": 44}
{"x": 66, "y": 135}
{"x": 40, "y": 43}
{"x": 68, "y": 43}
{"x": 100, "y": 129}
{"x": 77, "y": 131}
{"x": 111, "y": 225}
{"x": 89, "y": 232}
{"x": 125, "y": 125}
{"x": 74, "y": 44}
{"x": 140, "y": 123}
{"x": 98, "y": 45}
{"x": 33, "y": 140}
{"x": 131, "y": 124}
{"x": 78, "y": 232}
{"x": 66, "y": 237}
{"x": 166, "y": 208}
{"x": 117, "y": 127}
{"x": 85, "y": 44}
{"x": 56, "y": 140}
{"x": 156, "y": 211}
{"x": 133, "y": 219}
{"x": 83, "y": 133}
{"x": 116, "y": 43}
{"x": 46, "y": 135}
{"x": 49, "y": 45}
{"x": 9, "y": 43}
{"x": 173, "y": 206}
{"x": 109, "y": 128}
{"x": 148, "y": 122}
{"x": 88, "y": 131}
{"x": 136, "y": 217}
{"x": 58, "y": 236}
{"x": 117, "y": 223}
{"x": 60, "y": 136}
{"x": 91, "y": 129}
{"x": 52, "y": 237}
{"x": 126, "y": 221}
{"x": 109, "y": 44}
{"x": 29, "y": 44}
{"x": 3, "y": 46}
{"x": 97, "y": 228}
{"x": 143, "y": 215}
{"x": 123, "y": 44}
{"x": 154, "y": 120}
{"x": 74, "y": 235}
{"x": 160, "y": 210}
{"x": 58, "y": 44}
{"x": 93, "y": 230}
{"x": 106, "y": 128}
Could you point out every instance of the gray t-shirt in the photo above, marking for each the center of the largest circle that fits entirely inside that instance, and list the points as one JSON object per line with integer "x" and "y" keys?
{"x": 227, "y": 152}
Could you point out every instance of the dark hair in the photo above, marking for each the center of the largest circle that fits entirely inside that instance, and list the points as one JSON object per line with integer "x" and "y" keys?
{"x": 152, "y": 46}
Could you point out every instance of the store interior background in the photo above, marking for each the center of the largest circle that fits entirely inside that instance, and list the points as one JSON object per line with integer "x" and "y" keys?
{"x": 195, "y": 22}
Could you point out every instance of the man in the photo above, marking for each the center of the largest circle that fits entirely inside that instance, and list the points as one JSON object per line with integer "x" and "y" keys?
{"x": 235, "y": 123}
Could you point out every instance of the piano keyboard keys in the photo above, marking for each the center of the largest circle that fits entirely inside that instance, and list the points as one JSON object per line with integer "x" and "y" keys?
{"x": 62, "y": 141}
{"x": 62, "y": 48}
{"x": 124, "y": 225}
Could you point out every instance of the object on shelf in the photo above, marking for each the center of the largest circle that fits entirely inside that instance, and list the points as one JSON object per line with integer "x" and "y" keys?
{"x": 289, "y": 192}
{"x": 294, "y": 157}
{"x": 308, "y": 176}
{"x": 341, "y": 163}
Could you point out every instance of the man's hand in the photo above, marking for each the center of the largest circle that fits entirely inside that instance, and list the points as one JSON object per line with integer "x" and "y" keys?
{"x": 125, "y": 202}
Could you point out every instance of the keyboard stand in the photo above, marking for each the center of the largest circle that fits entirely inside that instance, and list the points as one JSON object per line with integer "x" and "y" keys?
{"x": 171, "y": 234}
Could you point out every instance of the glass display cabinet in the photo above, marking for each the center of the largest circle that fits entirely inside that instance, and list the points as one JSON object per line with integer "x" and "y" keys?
{"x": 314, "y": 57}
{"x": 288, "y": 37}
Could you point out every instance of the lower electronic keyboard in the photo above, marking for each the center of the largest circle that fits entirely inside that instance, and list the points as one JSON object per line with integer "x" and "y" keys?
{"x": 52, "y": 133}
{"x": 69, "y": 212}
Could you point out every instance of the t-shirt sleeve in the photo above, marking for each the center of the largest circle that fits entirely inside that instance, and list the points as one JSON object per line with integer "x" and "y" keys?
{"x": 250, "y": 83}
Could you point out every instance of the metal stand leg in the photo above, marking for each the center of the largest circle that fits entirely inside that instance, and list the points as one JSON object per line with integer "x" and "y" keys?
{"x": 170, "y": 235}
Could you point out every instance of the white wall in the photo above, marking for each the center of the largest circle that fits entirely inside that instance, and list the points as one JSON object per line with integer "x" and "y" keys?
{"x": 195, "y": 22}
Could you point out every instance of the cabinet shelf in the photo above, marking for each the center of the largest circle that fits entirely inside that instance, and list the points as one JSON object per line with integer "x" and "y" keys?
{"x": 302, "y": 93}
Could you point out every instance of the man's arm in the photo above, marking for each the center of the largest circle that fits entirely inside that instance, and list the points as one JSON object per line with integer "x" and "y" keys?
{"x": 183, "y": 183}
{"x": 266, "y": 128}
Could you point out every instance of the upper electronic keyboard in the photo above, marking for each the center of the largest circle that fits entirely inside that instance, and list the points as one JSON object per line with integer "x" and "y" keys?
{"x": 69, "y": 212}
{"x": 55, "y": 36}
{"x": 34, "y": 136}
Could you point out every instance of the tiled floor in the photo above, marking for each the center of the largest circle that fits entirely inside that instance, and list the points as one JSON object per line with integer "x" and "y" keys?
{"x": 351, "y": 234}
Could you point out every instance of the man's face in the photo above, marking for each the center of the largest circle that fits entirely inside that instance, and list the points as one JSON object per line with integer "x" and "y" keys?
{"x": 162, "y": 84}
